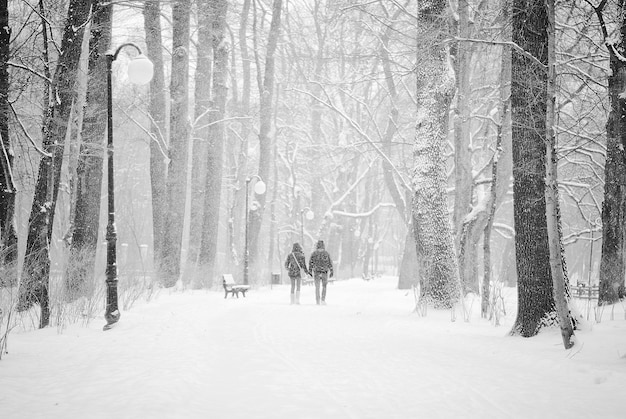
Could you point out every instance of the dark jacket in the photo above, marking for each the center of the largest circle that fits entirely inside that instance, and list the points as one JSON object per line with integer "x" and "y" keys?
{"x": 320, "y": 260}
{"x": 295, "y": 261}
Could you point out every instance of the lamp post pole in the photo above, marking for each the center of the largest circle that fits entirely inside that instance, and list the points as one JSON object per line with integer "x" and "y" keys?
{"x": 259, "y": 189}
{"x": 112, "y": 312}
{"x": 245, "y": 251}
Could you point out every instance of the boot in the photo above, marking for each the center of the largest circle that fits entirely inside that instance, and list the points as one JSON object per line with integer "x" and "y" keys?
{"x": 293, "y": 299}
{"x": 298, "y": 297}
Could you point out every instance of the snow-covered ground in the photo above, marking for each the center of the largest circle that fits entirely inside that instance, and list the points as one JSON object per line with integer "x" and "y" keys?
{"x": 194, "y": 354}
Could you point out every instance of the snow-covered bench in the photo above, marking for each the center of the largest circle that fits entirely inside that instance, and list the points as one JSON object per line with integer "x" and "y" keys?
{"x": 232, "y": 288}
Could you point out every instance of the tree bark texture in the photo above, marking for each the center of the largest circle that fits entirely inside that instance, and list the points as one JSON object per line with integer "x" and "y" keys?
{"x": 178, "y": 144}
{"x": 553, "y": 214}
{"x": 265, "y": 140}
{"x": 433, "y": 231}
{"x": 528, "y": 112}
{"x": 158, "y": 134}
{"x": 612, "y": 264}
{"x": 200, "y": 137}
{"x": 84, "y": 244}
{"x": 215, "y": 149}
{"x": 463, "y": 180}
{"x": 36, "y": 268}
{"x": 8, "y": 233}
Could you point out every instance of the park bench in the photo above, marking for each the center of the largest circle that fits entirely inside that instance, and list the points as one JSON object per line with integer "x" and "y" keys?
{"x": 581, "y": 290}
{"x": 232, "y": 288}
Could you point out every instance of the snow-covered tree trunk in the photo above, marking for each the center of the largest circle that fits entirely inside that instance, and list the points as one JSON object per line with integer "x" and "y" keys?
{"x": 463, "y": 179}
{"x": 8, "y": 233}
{"x": 439, "y": 275}
{"x": 156, "y": 110}
{"x": 612, "y": 263}
{"x": 237, "y": 210}
{"x": 553, "y": 216}
{"x": 215, "y": 149}
{"x": 536, "y": 306}
{"x": 200, "y": 135}
{"x": 84, "y": 244}
{"x": 36, "y": 268}
{"x": 265, "y": 140}
{"x": 501, "y": 165}
{"x": 178, "y": 145}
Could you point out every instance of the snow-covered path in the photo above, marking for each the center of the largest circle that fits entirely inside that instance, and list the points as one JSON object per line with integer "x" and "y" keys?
{"x": 196, "y": 355}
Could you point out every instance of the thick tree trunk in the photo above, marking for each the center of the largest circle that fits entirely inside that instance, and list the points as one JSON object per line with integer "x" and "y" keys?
{"x": 612, "y": 264}
{"x": 178, "y": 145}
{"x": 80, "y": 269}
{"x": 536, "y": 306}
{"x": 200, "y": 137}
{"x": 36, "y": 269}
{"x": 158, "y": 134}
{"x": 215, "y": 151}
{"x": 8, "y": 233}
{"x": 265, "y": 141}
{"x": 433, "y": 231}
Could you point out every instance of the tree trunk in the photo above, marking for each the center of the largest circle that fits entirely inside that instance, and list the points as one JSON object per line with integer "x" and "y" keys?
{"x": 156, "y": 109}
{"x": 80, "y": 269}
{"x": 236, "y": 245}
{"x": 433, "y": 232}
{"x": 501, "y": 166}
{"x": 215, "y": 151}
{"x": 463, "y": 180}
{"x": 8, "y": 234}
{"x": 36, "y": 268}
{"x": 528, "y": 105}
{"x": 178, "y": 144}
{"x": 553, "y": 216}
{"x": 265, "y": 141}
{"x": 612, "y": 264}
{"x": 200, "y": 137}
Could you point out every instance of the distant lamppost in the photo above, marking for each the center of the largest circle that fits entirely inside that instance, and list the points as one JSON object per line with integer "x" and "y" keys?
{"x": 259, "y": 189}
{"x": 140, "y": 71}
{"x": 309, "y": 214}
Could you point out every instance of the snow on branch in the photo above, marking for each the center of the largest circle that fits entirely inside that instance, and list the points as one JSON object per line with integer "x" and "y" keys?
{"x": 504, "y": 43}
{"x": 359, "y": 130}
{"x": 366, "y": 213}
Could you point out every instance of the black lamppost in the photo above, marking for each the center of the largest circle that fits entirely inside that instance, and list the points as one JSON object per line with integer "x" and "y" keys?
{"x": 259, "y": 189}
{"x": 306, "y": 211}
{"x": 140, "y": 71}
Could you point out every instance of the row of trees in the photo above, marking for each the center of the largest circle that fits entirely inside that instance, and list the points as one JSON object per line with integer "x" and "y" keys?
{"x": 320, "y": 99}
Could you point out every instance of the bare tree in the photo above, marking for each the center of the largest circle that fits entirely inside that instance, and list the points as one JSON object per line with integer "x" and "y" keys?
{"x": 215, "y": 149}
{"x": 169, "y": 261}
{"x": 265, "y": 140}
{"x": 612, "y": 264}
{"x": 156, "y": 110}
{"x": 201, "y": 126}
{"x": 8, "y": 234}
{"x": 84, "y": 243}
{"x": 536, "y": 307}
{"x": 36, "y": 268}
{"x": 439, "y": 274}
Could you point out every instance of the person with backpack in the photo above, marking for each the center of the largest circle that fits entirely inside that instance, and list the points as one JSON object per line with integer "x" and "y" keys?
{"x": 320, "y": 265}
{"x": 296, "y": 263}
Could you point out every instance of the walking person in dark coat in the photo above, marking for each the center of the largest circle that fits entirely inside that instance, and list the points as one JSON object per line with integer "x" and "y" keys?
{"x": 295, "y": 263}
{"x": 320, "y": 265}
